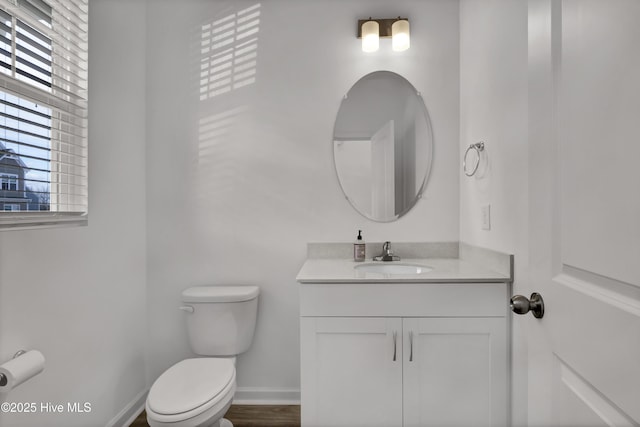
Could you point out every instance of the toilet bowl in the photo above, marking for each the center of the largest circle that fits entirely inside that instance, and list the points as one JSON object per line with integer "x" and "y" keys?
{"x": 197, "y": 392}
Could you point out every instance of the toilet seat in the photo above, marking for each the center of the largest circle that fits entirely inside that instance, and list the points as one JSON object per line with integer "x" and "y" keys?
{"x": 191, "y": 387}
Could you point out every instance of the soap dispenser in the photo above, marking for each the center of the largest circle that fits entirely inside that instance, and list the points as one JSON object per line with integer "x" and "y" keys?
{"x": 359, "y": 248}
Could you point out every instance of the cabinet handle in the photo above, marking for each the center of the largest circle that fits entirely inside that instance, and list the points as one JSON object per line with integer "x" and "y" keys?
{"x": 410, "y": 346}
{"x": 395, "y": 347}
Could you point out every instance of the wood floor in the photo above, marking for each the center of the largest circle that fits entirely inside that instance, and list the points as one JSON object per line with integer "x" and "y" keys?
{"x": 252, "y": 416}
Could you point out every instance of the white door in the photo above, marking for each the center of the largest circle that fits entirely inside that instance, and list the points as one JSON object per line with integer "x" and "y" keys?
{"x": 455, "y": 372}
{"x": 584, "y": 182}
{"x": 352, "y": 371}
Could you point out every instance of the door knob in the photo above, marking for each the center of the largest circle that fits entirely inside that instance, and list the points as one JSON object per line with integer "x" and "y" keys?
{"x": 521, "y": 305}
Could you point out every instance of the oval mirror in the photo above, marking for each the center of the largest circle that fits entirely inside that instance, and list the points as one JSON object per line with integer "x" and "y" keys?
{"x": 382, "y": 146}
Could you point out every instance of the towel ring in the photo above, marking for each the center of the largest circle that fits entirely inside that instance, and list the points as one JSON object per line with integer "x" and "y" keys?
{"x": 477, "y": 147}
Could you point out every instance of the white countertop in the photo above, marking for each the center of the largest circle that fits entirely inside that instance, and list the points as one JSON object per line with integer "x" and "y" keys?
{"x": 444, "y": 270}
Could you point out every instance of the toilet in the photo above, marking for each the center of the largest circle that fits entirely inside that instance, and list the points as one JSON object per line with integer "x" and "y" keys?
{"x": 197, "y": 392}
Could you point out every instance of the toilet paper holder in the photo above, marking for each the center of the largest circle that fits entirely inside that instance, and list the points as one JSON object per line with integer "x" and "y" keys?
{"x": 3, "y": 378}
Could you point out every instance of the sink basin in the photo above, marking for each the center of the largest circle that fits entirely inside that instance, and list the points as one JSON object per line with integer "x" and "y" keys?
{"x": 400, "y": 269}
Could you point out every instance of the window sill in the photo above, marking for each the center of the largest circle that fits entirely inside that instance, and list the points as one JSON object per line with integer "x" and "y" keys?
{"x": 28, "y": 221}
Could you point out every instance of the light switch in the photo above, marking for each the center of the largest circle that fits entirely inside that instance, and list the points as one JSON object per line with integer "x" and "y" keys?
{"x": 485, "y": 212}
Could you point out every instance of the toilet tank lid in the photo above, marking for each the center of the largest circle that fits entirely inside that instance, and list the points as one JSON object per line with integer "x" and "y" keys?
{"x": 220, "y": 293}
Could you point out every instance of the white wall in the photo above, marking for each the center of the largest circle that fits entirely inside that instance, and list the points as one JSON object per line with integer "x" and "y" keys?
{"x": 78, "y": 294}
{"x": 239, "y": 182}
{"x": 493, "y": 109}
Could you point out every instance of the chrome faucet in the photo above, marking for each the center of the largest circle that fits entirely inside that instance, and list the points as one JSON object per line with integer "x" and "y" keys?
{"x": 386, "y": 255}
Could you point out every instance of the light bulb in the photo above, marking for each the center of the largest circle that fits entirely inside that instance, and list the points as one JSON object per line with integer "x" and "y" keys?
{"x": 400, "y": 39}
{"x": 370, "y": 36}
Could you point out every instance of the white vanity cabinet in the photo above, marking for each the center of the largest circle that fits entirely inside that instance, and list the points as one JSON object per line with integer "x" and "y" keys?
{"x": 404, "y": 354}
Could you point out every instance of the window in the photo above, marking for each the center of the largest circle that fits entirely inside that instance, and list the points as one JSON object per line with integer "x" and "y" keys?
{"x": 11, "y": 207}
{"x": 43, "y": 110}
{"x": 9, "y": 182}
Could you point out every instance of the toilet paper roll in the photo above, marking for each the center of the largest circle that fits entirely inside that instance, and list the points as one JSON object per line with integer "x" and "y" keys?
{"x": 18, "y": 370}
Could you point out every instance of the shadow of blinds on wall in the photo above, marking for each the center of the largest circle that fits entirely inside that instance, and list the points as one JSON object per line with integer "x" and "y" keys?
{"x": 43, "y": 112}
{"x": 229, "y": 51}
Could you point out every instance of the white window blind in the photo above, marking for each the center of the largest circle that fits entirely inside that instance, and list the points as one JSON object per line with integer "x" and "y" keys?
{"x": 43, "y": 111}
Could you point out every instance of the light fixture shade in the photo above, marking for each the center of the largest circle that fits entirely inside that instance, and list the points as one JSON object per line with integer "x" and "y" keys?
{"x": 370, "y": 36}
{"x": 400, "y": 39}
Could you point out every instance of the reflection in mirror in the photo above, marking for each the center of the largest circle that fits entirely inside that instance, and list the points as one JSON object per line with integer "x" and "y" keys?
{"x": 382, "y": 145}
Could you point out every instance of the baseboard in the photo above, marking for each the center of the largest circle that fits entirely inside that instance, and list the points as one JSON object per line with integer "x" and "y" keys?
{"x": 266, "y": 396}
{"x": 130, "y": 412}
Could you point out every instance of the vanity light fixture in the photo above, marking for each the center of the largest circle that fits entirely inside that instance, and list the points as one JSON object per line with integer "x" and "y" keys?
{"x": 370, "y": 30}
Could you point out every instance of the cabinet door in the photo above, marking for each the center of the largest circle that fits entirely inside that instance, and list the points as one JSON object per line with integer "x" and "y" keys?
{"x": 349, "y": 374}
{"x": 455, "y": 372}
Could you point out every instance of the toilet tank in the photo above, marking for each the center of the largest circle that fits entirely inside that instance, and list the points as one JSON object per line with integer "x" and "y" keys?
{"x": 223, "y": 319}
